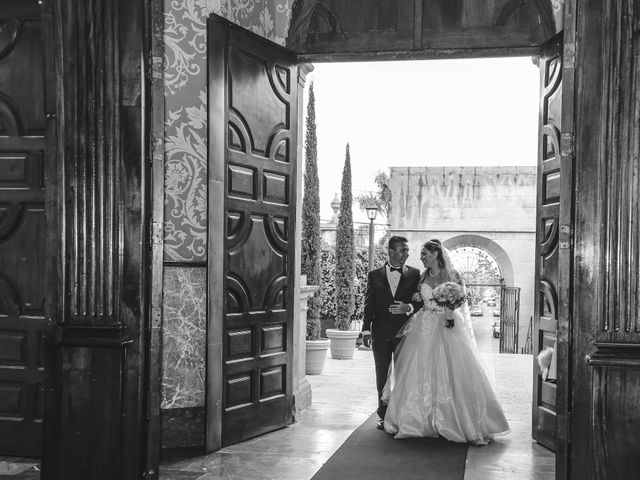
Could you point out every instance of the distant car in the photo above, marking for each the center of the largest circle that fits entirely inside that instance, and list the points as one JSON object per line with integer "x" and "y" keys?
{"x": 496, "y": 330}
{"x": 491, "y": 303}
{"x": 496, "y": 313}
{"x": 476, "y": 311}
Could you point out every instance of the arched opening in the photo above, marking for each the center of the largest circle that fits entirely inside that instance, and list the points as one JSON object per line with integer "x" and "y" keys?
{"x": 480, "y": 271}
{"x": 486, "y": 244}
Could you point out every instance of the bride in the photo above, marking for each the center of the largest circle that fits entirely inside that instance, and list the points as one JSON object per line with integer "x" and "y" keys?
{"x": 439, "y": 385}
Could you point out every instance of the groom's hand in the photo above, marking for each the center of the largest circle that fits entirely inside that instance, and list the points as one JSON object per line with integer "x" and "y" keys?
{"x": 398, "y": 307}
{"x": 366, "y": 339}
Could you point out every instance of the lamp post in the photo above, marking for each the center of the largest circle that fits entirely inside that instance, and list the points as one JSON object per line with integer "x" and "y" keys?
{"x": 372, "y": 212}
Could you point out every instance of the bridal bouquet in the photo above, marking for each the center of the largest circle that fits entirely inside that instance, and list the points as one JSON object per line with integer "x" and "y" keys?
{"x": 449, "y": 295}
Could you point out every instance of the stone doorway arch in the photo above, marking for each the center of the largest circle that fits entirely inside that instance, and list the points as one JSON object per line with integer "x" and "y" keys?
{"x": 490, "y": 246}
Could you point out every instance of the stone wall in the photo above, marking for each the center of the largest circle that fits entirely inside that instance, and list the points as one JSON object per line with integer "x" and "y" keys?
{"x": 464, "y": 198}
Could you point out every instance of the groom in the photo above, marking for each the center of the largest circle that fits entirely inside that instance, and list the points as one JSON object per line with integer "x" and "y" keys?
{"x": 387, "y": 306}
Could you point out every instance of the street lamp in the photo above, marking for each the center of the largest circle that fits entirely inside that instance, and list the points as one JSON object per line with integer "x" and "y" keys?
{"x": 372, "y": 212}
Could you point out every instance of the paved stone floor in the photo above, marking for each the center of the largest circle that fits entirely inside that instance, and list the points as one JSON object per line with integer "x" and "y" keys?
{"x": 344, "y": 397}
{"x": 515, "y": 456}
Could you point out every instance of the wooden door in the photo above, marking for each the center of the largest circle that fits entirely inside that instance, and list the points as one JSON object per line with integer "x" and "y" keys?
{"x": 253, "y": 114}
{"x": 553, "y": 247}
{"x": 22, "y": 228}
{"x": 605, "y": 333}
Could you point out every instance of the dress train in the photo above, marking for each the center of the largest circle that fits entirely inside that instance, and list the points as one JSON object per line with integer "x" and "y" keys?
{"x": 439, "y": 385}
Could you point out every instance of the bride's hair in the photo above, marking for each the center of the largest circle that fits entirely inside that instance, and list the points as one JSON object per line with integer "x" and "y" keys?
{"x": 435, "y": 245}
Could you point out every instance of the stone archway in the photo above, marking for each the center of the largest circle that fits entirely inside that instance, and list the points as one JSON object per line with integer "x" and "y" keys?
{"x": 496, "y": 251}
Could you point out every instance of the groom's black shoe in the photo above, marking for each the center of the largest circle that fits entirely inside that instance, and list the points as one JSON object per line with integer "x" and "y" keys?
{"x": 380, "y": 425}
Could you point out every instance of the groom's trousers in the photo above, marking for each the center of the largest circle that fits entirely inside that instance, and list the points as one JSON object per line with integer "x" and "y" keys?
{"x": 383, "y": 349}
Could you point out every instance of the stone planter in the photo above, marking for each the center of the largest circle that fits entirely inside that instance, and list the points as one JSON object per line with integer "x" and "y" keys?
{"x": 316, "y": 355}
{"x": 343, "y": 343}
{"x": 301, "y": 386}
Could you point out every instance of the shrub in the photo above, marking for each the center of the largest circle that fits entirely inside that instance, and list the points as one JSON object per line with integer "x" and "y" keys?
{"x": 311, "y": 240}
{"x": 328, "y": 286}
{"x": 345, "y": 252}
{"x": 313, "y": 328}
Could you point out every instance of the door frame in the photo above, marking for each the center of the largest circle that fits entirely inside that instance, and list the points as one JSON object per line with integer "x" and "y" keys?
{"x": 566, "y": 260}
{"x": 216, "y": 191}
{"x": 216, "y": 73}
{"x": 567, "y": 215}
{"x": 155, "y": 121}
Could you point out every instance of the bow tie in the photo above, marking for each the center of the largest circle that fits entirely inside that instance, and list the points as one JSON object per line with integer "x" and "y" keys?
{"x": 395, "y": 269}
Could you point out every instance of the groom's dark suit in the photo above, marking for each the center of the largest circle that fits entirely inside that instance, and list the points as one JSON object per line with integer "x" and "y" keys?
{"x": 382, "y": 324}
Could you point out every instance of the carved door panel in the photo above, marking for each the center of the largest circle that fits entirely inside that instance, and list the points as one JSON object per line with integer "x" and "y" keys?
{"x": 253, "y": 105}
{"x": 553, "y": 242}
{"x": 22, "y": 229}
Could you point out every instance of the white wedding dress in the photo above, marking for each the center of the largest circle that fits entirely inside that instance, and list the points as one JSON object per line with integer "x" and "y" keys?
{"x": 439, "y": 385}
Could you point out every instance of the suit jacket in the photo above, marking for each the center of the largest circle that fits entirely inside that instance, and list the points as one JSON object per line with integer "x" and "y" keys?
{"x": 377, "y": 319}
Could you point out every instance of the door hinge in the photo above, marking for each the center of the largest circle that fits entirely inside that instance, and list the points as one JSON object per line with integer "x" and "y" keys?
{"x": 157, "y": 233}
{"x": 569, "y": 56}
{"x": 158, "y": 151}
{"x": 157, "y": 65}
{"x": 566, "y": 236}
{"x": 566, "y": 145}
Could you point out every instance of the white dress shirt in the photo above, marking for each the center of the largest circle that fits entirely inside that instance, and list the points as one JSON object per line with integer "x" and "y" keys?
{"x": 393, "y": 278}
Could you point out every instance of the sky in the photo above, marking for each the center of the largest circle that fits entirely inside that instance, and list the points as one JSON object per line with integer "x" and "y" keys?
{"x": 480, "y": 112}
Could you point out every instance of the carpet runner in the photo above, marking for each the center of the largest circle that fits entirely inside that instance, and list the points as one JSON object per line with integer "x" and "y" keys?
{"x": 372, "y": 454}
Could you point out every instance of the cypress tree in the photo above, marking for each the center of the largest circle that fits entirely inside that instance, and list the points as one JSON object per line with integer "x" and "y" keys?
{"x": 345, "y": 252}
{"x": 311, "y": 240}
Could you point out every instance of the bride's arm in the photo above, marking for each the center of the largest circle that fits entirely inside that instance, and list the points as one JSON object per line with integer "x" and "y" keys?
{"x": 457, "y": 278}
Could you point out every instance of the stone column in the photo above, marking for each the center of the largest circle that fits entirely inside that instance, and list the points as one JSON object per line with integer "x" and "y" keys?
{"x": 301, "y": 386}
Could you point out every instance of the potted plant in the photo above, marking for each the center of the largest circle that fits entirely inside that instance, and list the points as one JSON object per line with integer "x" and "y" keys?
{"x": 343, "y": 338}
{"x": 316, "y": 348}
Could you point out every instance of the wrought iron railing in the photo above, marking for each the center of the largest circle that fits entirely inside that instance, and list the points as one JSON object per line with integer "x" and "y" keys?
{"x": 509, "y": 319}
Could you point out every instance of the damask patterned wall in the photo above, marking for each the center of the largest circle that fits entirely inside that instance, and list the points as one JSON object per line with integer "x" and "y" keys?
{"x": 185, "y": 222}
{"x": 185, "y": 72}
